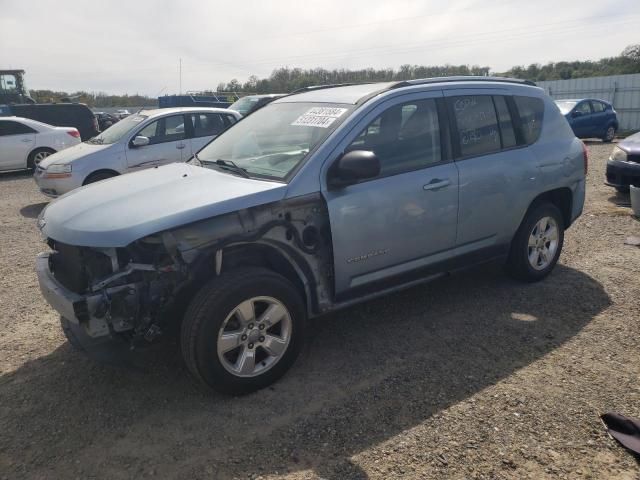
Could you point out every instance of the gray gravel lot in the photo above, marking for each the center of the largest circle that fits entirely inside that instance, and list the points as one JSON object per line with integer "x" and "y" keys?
{"x": 472, "y": 376}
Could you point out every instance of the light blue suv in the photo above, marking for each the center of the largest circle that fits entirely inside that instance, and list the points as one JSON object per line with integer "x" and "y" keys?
{"x": 319, "y": 200}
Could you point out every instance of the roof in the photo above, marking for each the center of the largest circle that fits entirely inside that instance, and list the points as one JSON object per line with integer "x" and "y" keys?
{"x": 355, "y": 93}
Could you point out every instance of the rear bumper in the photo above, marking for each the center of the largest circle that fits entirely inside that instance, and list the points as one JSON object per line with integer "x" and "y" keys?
{"x": 622, "y": 174}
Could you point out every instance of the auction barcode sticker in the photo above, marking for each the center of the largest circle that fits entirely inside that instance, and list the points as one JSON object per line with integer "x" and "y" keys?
{"x": 321, "y": 117}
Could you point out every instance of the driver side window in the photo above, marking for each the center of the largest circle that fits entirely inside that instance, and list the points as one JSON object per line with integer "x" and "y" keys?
{"x": 583, "y": 108}
{"x": 405, "y": 137}
{"x": 168, "y": 129}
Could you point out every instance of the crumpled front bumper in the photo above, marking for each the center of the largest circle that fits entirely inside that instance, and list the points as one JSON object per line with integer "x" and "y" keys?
{"x": 83, "y": 330}
{"x": 79, "y": 310}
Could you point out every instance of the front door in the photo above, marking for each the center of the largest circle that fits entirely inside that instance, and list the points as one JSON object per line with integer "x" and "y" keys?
{"x": 16, "y": 141}
{"x": 582, "y": 119}
{"x": 166, "y": 143}
{"x": 405, "y": 218}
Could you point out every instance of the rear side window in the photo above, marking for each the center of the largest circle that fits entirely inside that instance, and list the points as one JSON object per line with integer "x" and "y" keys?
{"x": 8, "y": 127}
{"x": 477, "y": 124}
{"x": 530, "y": 110}
{"x": 207, "y": 124}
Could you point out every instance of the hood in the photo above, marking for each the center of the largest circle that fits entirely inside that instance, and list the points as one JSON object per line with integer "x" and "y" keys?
{"x": 73, "y": 153}
{"x": 631, "y": 144}
{"x": 115, "y": 212}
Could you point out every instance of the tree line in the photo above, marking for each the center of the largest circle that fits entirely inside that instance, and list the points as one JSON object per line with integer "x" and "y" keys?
{"x": 285, "y": 79}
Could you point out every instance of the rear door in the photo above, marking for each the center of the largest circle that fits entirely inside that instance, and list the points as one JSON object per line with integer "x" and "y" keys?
{"x": 496, "y": 171}
{"x": 582, "y": 119}
{"x": 167, "y": 143}
{"x": 16, "y": 141}
{"x": 600, "y": 120}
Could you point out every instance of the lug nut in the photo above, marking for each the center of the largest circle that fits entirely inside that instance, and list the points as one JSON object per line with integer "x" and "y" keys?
{"x": 250, "y": 326}
{"x": 261, "y": 339}
{"x": 251, "y": 345}
{"x": 261, "y": 326}
{"x": 243, "y": 337}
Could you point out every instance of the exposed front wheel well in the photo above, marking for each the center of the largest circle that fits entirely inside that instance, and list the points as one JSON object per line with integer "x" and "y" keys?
{"x": 99, "y": 175}
{"x": 562, "y": 198}
{"x": 264, "y": 256}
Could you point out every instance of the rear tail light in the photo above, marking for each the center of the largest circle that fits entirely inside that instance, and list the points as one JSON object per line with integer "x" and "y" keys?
{"x": 74, "y": 133}
{"x": 585, "y": 156}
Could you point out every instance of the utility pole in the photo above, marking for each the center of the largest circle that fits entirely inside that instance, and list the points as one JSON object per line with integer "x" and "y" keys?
{"x": 180, "y": 75}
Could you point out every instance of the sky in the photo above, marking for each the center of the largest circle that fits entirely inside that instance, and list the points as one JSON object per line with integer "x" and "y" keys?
{"x": 135, "y": 46}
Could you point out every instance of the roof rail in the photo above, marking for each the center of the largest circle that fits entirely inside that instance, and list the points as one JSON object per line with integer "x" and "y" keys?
{"x": 322, "y": 87}
{"x": 461, "y": 78}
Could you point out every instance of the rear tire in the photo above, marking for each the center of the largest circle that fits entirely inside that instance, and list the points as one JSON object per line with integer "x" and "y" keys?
{"x": 622, "y": 189}
{"x": 37, "y": 156}
{"x": 243, "y": 330}
{"x": 536, "y": 247}
{"x": 97, "y": 176}
{"x": 609, "y": 134}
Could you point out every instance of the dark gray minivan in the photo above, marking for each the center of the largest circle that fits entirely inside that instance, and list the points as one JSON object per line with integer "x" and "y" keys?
{"x": 316, "y": 201}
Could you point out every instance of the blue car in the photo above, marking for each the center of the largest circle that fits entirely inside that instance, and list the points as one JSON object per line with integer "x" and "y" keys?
{"x": 321, "y": 199}
{"x": 590, "y": 118}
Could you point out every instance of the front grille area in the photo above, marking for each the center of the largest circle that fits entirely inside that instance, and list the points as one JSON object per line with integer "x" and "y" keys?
{"x": 76, "y": 267}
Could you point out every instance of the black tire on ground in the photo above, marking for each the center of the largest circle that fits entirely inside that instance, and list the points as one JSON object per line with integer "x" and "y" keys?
{"x": 66, "y": 328}
{"x": 207, "y": 313}
{"x": 38, "y": 155}
{"x": 609, "y": 134}
{"x": 97, "y": 176}
{"x": 622, "y": 189}
{"x": 518, "y": 264}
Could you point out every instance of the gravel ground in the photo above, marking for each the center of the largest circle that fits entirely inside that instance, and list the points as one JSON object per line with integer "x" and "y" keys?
{"x": 472, "y": 376}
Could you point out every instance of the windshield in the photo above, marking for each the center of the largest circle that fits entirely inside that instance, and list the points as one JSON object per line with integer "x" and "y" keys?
{"x": 273, "y": 141}
{"x": 118, "y": 130}
{"x": 245, "y": 104}
{"x": 565, "y": 106}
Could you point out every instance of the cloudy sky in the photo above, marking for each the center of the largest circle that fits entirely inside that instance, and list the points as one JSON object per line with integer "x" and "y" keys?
{"x": 134, "y": 46}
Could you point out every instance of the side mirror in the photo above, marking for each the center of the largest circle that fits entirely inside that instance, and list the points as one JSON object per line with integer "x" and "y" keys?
{"x": 140, "y": 141}
{"x": 352, "y": 167}
{"x": 576, "y": 114}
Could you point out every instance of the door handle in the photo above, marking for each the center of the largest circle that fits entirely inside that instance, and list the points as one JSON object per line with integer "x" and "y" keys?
{"x": 27, "y": 140}
{"x": 180, "y": 146}
{"x": 436, "y": 183}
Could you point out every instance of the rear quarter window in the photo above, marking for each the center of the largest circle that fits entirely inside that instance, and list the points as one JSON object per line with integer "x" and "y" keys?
{"x": 531, "y": 112}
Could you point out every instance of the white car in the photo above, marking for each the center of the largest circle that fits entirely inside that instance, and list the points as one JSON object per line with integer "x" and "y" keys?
{"x": 24, "y": 143}
{"x": 147, "y": 139}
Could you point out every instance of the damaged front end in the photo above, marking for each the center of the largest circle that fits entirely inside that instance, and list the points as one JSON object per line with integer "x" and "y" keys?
{"x": 133, "y": 293}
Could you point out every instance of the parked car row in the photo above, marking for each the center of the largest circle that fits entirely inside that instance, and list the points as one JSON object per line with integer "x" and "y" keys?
{"x": 314, "y": 202}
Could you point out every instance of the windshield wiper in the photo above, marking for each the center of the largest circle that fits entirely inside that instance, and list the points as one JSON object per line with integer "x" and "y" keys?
{"x": 96, "y": 140}
{"x": 232, "y": 167}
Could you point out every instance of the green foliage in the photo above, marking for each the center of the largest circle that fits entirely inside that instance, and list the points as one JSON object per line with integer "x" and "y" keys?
{"x": 285, "y": 79}
{"x": 627, "y": 62}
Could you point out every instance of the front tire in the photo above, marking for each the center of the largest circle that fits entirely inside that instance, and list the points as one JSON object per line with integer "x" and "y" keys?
{"x": 243, "y": 330}
{"x": 536, "y": 247}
